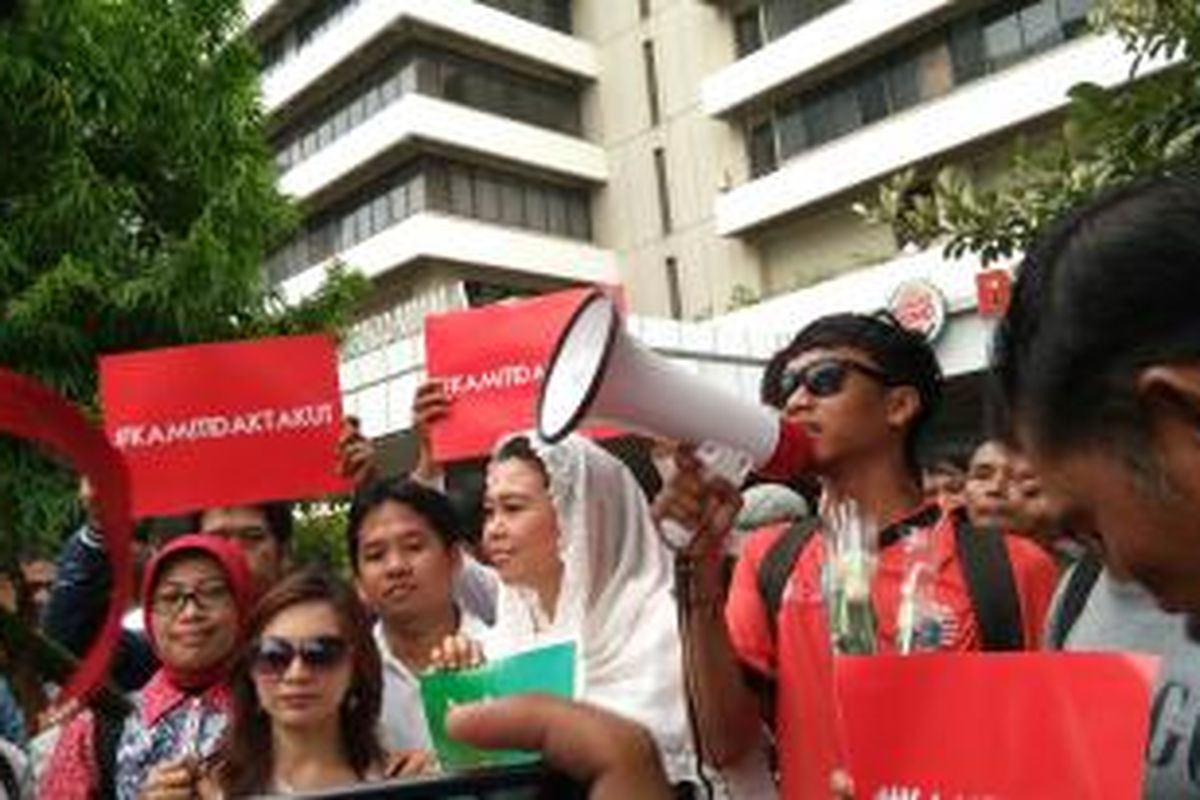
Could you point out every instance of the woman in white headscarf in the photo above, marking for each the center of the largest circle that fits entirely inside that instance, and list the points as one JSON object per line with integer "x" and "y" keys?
{"x": 569, "y": 532}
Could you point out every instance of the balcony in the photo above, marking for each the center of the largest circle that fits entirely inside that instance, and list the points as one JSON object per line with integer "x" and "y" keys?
{"x": 465, "y": 241}
{"x": 971, "y": 113}
{"x": 369, "y": 20}
{"x": 415, "y": 118}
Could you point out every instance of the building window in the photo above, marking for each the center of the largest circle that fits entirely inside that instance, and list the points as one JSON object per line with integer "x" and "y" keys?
{"x": 554, "y": 14}
{"x": 674, "y": 291}
{"x": 664, "y": 191}
{"x": 311, "y": 25}
{"x": 435, "y": 184}
{"x": 435, "y": 72}
{"x": 644, "y": 9}
{"x": 759, "y": 23}
{"x": 971, "y": 47}
{"x": 651, "y": 81}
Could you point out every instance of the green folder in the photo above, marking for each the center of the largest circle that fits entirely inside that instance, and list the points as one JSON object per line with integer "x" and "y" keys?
{"x": 546, "y": 670}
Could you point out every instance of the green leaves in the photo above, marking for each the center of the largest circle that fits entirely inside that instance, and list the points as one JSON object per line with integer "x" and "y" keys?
{"x": 137, "y": 201}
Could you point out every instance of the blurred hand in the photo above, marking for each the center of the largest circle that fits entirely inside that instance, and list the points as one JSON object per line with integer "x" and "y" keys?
{"x": 172, "y": 780}
{"x": 841, "y": 786}
{"x": 456, "y": 652}
{"x": 410, "y": 763}
{"x": 356, "y": 453}
{"x": 706, "y": 506}
{"x": 616, "y": 758}
{"x": 91, "y": 508}
{"x": 430, "y": 404}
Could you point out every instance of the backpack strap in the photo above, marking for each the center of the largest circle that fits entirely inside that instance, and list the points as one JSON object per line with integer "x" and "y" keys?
{"x": 776, "y": 567}
{"x": 1075, "y": 595}
{"x": 987, "y": 568}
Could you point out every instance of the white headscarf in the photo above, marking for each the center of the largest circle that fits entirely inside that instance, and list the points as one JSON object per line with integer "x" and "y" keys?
{"x": 615, "y": 601}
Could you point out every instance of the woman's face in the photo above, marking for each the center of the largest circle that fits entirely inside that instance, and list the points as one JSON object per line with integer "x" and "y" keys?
{"x": 520, "y": 528}
{"x": 302, "y": 667}
{"x": 192, "y": 614}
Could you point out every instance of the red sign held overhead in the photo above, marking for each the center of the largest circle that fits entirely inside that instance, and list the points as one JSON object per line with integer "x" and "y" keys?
{"x": 225, "y": 424}
{"x": 492, "y": 361}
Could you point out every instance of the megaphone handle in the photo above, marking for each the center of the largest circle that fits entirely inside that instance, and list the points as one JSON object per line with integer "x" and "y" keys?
{"x": 717, "y": 461}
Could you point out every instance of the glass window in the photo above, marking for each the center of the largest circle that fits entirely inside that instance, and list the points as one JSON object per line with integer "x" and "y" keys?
{"x": 461, "y": 201}
{"x": 381, "y": 213}
{"x": 966, "y": 50}
{"x": 487, "y": 197}
{"x": 556, "y": 212}
{"x": 362, "y": 223}
{"x": 536, "y": 208}
{"x": 792, "y": 135}
{"x": 935, "y": 75}
{"x": 1040, "y": 27}
{"x": 762, "y": 149}
{"x": 1073, "y": 15}
{"x": 398, "y": 199}
{"x": 873, "y": 96}
{"x": 512, "y": 204}
{"x": 1002, "y": 42}
{"x": 747, "y": 31}
{"x": 904, "y": 83}
{"x": 832, "y": 116}
{"x": 418, "y": 191}
{"x": 578, "y": 223}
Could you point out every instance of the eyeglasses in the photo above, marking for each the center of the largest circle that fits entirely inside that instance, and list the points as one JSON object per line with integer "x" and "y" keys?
{"x": 171, "y": 600}
{"x": 273, "y": 656}
{"x": 826, "y": 377}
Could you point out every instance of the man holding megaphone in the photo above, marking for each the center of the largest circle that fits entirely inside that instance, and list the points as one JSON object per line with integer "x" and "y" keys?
{"x": 863, "y": 389}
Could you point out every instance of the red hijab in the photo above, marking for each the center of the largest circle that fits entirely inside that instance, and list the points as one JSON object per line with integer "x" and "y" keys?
{"x": 232, "y": 561}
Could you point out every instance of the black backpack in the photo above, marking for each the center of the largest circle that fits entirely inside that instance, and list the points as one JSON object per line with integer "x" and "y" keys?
{"x": 982, "y": 556}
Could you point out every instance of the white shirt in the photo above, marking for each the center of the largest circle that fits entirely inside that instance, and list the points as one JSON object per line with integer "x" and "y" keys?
{"x": 403, "y": 716}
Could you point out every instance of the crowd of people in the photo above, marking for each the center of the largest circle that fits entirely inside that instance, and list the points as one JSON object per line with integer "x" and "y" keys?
{"x": 1070, "y": 527}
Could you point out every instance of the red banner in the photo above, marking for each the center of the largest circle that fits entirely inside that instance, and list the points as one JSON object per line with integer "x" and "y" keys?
{"x": 492, "y": 361}
{"x": 983, "y": 727}
{"x": 225, "y": 424}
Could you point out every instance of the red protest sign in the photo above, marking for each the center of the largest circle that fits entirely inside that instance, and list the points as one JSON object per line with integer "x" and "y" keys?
{"x": 988, "y": 727}
{"x": 225, "y": 424}
{"x": 492, "y": 361}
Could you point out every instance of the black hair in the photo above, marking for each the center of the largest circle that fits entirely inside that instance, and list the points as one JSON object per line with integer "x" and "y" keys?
{"x": 904, "y": 356}
{"x": 1107, "y": 290}
{"x": 278, "y": 515}
{"x": 433, "y": 506}
{"x": 520, "y": 448}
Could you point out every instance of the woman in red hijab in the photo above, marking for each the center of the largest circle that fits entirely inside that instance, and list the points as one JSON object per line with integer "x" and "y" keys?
{"x": 196, "y": 596}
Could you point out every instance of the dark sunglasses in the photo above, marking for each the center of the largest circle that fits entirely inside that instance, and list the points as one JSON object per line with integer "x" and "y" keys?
{"x": 273, "y": 655}
{"x": 826, "y": 377}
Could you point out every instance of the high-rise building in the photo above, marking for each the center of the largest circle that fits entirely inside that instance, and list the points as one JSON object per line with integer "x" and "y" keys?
{"x": 705, "y": 154}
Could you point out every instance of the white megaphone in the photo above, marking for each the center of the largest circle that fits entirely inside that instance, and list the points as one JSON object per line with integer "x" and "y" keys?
{"x": 600, "y": 374}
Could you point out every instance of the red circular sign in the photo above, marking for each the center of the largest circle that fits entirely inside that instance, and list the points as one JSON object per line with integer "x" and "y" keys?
{"x": 919, "y": 306}
{"x": 29, "y": 410}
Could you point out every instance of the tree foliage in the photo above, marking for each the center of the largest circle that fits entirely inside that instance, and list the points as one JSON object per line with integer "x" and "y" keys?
{"x": 137, "y": 204}
{"x": 1109, "y": 136}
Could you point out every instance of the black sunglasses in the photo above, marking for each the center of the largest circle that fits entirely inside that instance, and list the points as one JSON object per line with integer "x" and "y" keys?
{"x": 273, "y": 656}
{"x": 826, "y": 377}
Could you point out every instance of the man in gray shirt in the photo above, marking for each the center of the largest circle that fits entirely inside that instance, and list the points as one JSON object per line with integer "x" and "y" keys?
{"x": 1119, "y": 615}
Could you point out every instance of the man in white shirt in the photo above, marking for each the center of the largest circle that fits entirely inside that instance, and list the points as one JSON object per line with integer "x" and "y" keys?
{"x": 404, "y": 544}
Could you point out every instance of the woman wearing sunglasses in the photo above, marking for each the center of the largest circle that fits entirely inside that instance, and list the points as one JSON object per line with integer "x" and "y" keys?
{"x": 196, "y": 597}
{"x": 306, "y": 694}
